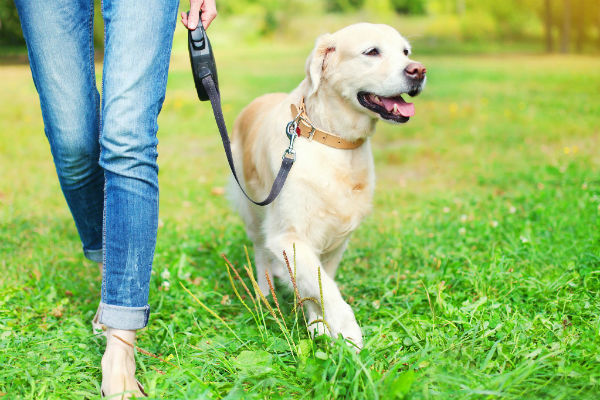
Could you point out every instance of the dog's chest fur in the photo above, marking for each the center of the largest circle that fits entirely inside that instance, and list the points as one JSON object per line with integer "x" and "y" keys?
{"x": 335, "y": 187}
{"x": 328, "y": 191}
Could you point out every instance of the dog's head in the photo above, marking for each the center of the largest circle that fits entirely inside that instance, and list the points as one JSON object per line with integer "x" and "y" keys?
{"x": 368, "y": 66}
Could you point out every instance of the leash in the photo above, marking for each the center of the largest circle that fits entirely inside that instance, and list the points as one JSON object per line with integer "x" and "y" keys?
{"x": 206, "y": 81}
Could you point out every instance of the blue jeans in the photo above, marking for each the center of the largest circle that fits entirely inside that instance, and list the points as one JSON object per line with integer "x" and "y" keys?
{"x": 105, "y": 153}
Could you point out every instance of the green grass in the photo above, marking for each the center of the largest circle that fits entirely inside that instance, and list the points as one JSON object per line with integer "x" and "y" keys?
{"x": 476, "y": 276}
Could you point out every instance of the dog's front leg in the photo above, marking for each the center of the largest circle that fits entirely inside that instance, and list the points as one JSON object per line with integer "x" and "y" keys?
{"x": 262, "y": 264}
{"x": 338, "y": 314}
{"x": 331, "y": 259}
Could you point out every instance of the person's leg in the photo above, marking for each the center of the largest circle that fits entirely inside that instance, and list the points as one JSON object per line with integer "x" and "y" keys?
{"x": 61, "y": 54}
{"x": 138, "y": 42}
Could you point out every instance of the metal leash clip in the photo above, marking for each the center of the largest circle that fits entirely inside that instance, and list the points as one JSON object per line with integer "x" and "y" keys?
{"x": 290, "y": 131}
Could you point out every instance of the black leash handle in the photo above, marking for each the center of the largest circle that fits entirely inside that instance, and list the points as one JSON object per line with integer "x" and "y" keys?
{"x": 201, "y": 58}
{"x": 204, "y": 70}
{"x": 287, "y": 159}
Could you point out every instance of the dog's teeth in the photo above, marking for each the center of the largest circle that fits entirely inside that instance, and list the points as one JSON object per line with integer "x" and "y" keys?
{"x": 396, "y": 111}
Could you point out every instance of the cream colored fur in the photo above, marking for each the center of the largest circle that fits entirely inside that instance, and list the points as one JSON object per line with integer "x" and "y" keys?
{"x": 329, "y": 191}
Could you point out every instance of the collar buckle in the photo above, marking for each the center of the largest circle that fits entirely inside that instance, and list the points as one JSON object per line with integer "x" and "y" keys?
{"x": 307, "y": 123}
{"x": 311, "y": 133}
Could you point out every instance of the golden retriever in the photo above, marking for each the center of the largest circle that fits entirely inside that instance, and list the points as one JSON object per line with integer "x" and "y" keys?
{"x": 354, "y": 77}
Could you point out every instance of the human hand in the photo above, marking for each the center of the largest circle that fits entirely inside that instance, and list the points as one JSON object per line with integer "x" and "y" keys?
{"x": 209, "y": 12}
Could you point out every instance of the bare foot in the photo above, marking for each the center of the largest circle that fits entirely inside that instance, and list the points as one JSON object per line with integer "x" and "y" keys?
{"x": 118, "y": 366}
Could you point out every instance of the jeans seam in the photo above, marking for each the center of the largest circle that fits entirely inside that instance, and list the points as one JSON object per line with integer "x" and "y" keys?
{"x": 104, "y": 284}
{"x": 96, "y": 94}
{"x": 103, "y": 296}
{"x": 91, "y": 42}
{"x": 158, "y": 108}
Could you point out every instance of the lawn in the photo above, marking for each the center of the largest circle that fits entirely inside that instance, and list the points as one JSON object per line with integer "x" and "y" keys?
{"x": 476, "y": 276}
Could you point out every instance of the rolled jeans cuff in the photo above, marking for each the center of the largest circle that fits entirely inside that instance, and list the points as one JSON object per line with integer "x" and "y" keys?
{"x": 93, "y": 255}
{"x": 128, "y": 318}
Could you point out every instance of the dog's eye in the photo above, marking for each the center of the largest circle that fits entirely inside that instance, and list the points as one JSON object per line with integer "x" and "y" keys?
{"x": 371, "y": 52}
{"x": 406, "y": 52}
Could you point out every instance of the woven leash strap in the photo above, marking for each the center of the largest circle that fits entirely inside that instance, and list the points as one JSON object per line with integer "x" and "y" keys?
{"x": 286, "y": 163}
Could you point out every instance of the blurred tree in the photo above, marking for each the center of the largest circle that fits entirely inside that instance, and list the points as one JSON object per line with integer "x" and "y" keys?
{"x": 409, "y": 6}
{"x": 597, "y": 14}
{"x": 548, "y": 22}
{"x": 576, "y": 21}
{"x": 10, "y": 26}
{"x": 98, "y": 25}
{"x": 565, "y": 28}
{"x": 579, "y": 24}
{"x": 566, "y": 25}
{"x": 585, "y": 19}
{"x": 343, "y": 5}
{"x": 378, "y": 7}
{"x": 270, "y": 15}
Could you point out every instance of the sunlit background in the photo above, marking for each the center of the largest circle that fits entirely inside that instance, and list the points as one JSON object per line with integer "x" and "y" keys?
{"x": 436, "y": 26}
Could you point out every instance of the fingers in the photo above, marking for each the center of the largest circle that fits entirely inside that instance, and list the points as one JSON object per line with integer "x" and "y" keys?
{"x": 192, "y": 20}
{"x": 184, "y": 19}
{"x": 209, "y": 12}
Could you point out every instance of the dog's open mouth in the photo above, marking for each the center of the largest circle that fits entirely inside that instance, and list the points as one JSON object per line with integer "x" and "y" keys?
{"x": 392, "y": 108}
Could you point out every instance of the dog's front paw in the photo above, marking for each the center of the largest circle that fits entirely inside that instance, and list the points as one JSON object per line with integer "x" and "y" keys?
{"x": 341, "y": 321}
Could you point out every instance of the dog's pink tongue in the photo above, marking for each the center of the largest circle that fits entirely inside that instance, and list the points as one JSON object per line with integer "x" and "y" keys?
{"x": 405, "y": 109}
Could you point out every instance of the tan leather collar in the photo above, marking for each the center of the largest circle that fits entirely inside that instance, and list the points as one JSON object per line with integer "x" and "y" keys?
{"x": 306, "y": 129}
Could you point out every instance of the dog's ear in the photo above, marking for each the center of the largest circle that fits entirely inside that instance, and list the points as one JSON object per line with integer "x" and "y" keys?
{"x": 317, "y": 61}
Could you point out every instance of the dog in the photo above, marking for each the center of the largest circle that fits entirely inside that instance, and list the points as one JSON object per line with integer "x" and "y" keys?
{"x": 354, "y": 77}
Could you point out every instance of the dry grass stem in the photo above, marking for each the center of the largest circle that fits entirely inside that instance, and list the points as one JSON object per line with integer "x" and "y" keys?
{"x": 271, "y": 311}
{"x": 237, "y": 276}
{"x": 304, "y": 299}
{"x": 237, "y": 294}
{"x": 322, "y": 321}
{"x": 298, "y": 302}
{"x": 292, "y": 275}
{"x": 214, "y": 314}
{"x": 146, "y": 352}
{"x": 275, "y": 299}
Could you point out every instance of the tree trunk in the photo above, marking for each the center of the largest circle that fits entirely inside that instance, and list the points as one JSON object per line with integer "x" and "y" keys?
{"x": 598, "y": 23}
{"x": 565, "y": 30}
{"x": 579, "y": 31}
{"x": 548, "y": 25}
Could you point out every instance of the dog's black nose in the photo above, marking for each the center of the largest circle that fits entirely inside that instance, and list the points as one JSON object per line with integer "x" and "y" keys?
{"x": 415, "y": 70}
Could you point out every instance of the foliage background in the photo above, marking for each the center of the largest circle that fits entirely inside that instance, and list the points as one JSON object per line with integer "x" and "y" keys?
{"x": 550, "y": 25}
